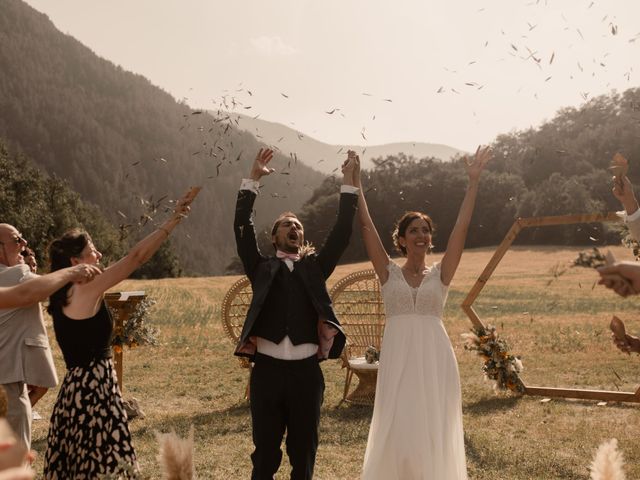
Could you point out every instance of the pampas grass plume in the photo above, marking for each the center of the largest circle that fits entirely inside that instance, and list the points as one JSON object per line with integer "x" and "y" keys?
{"x": 176, "y": 456}
{"x": 608, "y": 463}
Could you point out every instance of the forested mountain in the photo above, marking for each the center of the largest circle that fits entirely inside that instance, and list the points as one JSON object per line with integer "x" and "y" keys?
{"x": 126, "y": 145}
{"x": 43, "y": 207}
{"x": 557, "y": 168}
{"x": 323, "y": 157}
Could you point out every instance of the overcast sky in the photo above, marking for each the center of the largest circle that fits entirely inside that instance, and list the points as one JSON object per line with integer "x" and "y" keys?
{"x": 457, "y": 72}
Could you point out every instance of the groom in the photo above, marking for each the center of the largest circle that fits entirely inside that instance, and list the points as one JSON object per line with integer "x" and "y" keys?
{"x": 290, "y": 325}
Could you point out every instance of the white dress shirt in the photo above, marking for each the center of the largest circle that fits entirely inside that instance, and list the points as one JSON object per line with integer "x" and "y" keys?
{"x": 286, "y": 350}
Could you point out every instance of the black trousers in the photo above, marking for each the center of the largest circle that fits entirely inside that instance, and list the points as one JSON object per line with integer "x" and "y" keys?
{"x": 285, "y": 395}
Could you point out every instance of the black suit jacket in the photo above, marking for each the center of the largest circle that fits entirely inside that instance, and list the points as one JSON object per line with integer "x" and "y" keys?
{"x": 314, "y": 269}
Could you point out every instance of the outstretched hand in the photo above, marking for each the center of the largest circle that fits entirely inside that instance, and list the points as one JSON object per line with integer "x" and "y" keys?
{"x": 183, "y": 206}
{"x": 481, "y": 158}
{"x": 621, "y": 277}
{"x": 84, "y": 273}
{"x": 260, "y": 166}
{"x": 627, "y": 344}
{"x": 349, "y": 167}
{"x": 623, "y": 191}
{"x": 356, "y": 173}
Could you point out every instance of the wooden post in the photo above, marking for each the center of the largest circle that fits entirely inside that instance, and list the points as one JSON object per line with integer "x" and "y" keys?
{"x": 604, "y": 395}
{"x": 488, "y": 271}
{"x": 122, "y": 304}
{"x": 117, "y": 354}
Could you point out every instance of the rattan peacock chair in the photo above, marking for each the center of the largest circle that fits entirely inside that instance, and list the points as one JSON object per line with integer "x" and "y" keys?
{"x": 358, "y": 304}
{"x": 235, "y": 306}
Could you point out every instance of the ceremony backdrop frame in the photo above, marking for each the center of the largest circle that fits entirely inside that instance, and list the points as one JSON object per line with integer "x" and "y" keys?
{"x": 467, "y": 305}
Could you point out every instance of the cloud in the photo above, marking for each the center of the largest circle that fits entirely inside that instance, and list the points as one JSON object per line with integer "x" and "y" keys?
{"x": 272, "y": 46}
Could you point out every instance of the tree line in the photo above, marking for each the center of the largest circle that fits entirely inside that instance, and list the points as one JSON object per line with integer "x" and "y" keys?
{"x": 558, "y": 168}
{"x": 43, "y": 208}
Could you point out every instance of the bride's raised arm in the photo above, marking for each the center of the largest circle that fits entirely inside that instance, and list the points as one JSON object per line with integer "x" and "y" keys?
{"x": 372, "y": 243}
{"x": 455, "y": 245}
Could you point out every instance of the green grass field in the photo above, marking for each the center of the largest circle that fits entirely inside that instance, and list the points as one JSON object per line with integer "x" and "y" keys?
{"x": 558, "y": 324}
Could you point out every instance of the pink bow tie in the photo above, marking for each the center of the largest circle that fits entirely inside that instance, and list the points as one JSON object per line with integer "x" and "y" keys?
{"x": 294, "y": 257}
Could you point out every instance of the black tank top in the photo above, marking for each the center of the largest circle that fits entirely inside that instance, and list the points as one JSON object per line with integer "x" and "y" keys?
{"x": 82, "y": 341}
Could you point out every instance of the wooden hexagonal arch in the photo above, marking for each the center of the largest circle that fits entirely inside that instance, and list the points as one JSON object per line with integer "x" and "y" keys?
{"x": 467, "y": 304}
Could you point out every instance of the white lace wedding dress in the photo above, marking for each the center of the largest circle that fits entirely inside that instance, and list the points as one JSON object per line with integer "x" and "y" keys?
{"x": 416, "y": 429}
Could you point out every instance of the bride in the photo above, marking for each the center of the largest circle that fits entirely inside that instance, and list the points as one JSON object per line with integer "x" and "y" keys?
{"x": 416, "y": 429}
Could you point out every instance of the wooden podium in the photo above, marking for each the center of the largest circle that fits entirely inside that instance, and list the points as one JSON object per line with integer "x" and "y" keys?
{"x": 122, "y": 304}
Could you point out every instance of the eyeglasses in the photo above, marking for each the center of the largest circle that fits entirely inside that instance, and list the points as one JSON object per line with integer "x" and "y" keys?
{"x": 16, "y": 240}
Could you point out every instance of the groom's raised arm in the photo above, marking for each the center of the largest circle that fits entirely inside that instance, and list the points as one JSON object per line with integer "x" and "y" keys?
{"x": 243, "y": 226}
{"x": 338, "y": 239}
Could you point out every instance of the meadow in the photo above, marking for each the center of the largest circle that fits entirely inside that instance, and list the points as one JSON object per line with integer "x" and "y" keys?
{"x": 557, "y": 323}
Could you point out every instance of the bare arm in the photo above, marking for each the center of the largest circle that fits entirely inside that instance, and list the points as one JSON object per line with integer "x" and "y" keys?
{"x": 339, "y": 236}
{"x": 372, "y": 243}
{"x": 38, "y": 289}
{"x": 623, "y": 191}
{"x": 138, "y": 255}
{"x": 458, "y": 236}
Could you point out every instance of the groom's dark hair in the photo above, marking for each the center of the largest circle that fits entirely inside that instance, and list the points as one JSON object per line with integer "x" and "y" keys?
{"x": 306, "y": 249}
{"x": 279, "y": 220}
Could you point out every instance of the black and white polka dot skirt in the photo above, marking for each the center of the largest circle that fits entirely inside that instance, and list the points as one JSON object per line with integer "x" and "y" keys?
{"x": 89, "y": 435}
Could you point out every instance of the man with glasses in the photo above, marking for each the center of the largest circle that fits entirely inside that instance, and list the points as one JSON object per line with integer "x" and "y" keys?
{"x": 25, "y": 355}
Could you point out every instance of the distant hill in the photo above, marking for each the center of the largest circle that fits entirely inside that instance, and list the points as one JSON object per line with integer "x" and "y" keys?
{"x": 126, "y": 145}
{"x": 324, "y": 157}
